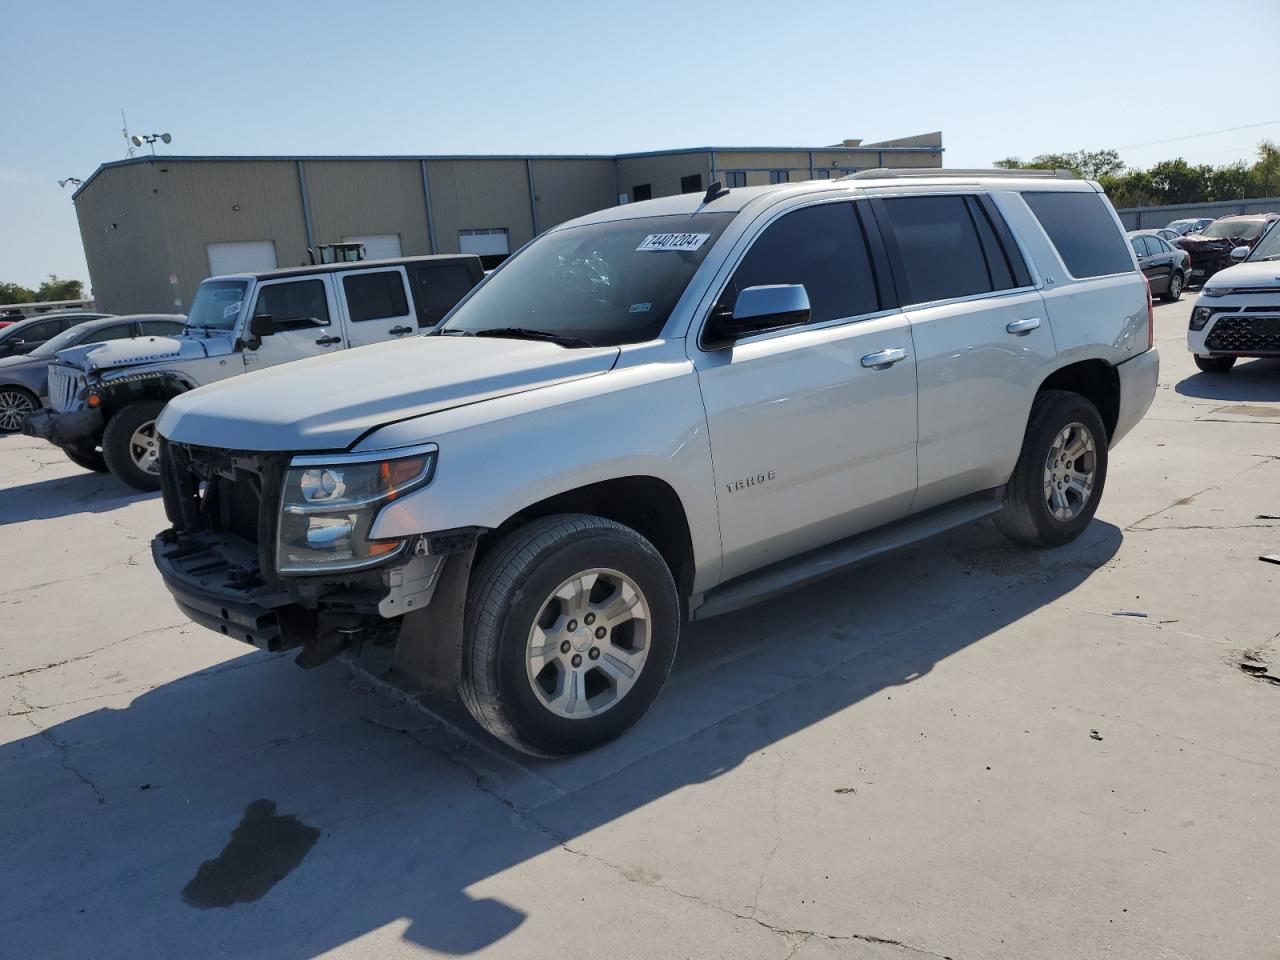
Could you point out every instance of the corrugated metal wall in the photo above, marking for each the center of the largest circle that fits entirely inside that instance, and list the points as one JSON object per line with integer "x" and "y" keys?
{"x": 351, "y": 198}
{"x": 1145, "y": 218}
{"x": 477, "y": 195}
{"x": 570, "y": 188}
{"x": 662, "y": 173}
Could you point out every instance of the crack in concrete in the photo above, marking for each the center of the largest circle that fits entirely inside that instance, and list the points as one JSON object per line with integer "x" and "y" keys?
{"x": 91, "y": 653}
{"x": 63, "y": 749}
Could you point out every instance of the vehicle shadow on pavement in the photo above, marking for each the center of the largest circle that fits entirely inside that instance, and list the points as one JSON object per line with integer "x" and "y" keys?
{"x": 1249, "y": 380}
{"x": 62, "y": 496}
{"x": 390, "y": 815}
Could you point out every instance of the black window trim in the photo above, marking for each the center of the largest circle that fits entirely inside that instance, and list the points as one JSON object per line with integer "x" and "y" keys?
{"x": 886, "y": 291}
{"x": 329, "y": 299}
{"x": 900, "y": 269}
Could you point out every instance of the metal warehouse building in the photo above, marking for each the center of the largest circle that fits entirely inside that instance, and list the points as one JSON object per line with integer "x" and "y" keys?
{"x": 154, "y": 227}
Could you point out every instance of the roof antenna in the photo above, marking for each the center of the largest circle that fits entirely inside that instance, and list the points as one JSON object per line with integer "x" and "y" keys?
{"x": 715, "y": 191}
{"x": 125, "y": 123}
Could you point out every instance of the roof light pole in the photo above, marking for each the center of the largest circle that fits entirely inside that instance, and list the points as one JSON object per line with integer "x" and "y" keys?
{"x": 74, "y": 181}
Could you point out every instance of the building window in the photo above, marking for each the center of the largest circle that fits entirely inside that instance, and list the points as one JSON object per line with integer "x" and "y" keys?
{"x": 735, "y": 178}
{"x": 691, "y": 183}
{"x": 642, "y": 191}
{"x": 822, "y": 173}
{"x": 779, "y": 176}
{"x": 490, "y": 244}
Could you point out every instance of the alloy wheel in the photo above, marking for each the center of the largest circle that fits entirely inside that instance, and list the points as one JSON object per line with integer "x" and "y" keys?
{"x": 144, "y": 448}
{"x": 1069, "y": 472}
{"x": 14, "y": 408}
{"x": 588, "y": 644}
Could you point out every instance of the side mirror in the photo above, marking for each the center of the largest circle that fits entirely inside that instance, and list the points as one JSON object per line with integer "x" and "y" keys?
{"x": 1240, "y": 253}
{"x": 262, "y": 325}
{"x": 762, "y": 308}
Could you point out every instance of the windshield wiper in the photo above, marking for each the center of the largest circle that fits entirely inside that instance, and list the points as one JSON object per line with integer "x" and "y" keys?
{"x": 447, "y": 332}
{"x": 527, "y": 333}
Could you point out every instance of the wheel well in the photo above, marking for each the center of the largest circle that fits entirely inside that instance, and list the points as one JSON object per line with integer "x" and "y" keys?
{"x": 20, "y": 389}
{"x": 1095, "y": 380}
{"x": 121, "y": 395}
{"x": 645, "y": 504}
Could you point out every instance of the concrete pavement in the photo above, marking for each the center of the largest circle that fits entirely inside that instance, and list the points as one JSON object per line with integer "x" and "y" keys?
{"x": 964, "y": 750}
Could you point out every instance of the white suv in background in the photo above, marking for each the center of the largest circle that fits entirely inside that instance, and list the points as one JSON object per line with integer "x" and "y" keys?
{"x": 665, "y": 411}
{"x": 1238, "y": 311}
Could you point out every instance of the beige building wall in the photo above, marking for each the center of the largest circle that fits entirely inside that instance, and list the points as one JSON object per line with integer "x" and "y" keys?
{"x": 662, "y": 172}
{"x": 124, "y": 241}
{"x": 212, "y": 201}
{"x": 570, "y": 188}
{"x": 479, "y": 194}
{"x": 353, "y": 198}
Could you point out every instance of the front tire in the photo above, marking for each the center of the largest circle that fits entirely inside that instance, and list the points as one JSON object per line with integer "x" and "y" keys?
{"x": 1215, "y": 364}
{"x": 571, "y": 628}
{"x": 1176, "y": 284}
{"x": 131, "y": 447}
{"x": 1057, "y": 483}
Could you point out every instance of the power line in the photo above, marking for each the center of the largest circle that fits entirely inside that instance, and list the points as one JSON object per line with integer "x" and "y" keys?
{"x": 1193, "y": 136}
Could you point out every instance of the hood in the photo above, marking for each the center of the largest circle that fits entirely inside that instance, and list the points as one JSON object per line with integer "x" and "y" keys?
{"x": 1199, "y": 239}
{"x": 138, "y": 351}
{"x": 1260, "y": 275}
{"x": 329, "y": 402}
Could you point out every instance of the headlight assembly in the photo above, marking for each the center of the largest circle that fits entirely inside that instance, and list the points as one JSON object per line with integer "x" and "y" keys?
{"x": 1215, "y": 291}
{"x": 329, "y": 504}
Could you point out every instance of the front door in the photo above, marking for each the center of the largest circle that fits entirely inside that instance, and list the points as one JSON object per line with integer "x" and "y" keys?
{"x": 306, "y": 323}
{"x": 811, "y": 440}
{"x": 377, "y": 306}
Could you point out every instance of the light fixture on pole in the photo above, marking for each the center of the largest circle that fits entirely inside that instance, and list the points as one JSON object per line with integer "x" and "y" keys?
{"x": 74, "y": 181}
{"x": 150, "y": 139}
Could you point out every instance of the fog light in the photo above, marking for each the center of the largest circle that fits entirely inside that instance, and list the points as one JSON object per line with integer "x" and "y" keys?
{"x": 1199, "y": 317}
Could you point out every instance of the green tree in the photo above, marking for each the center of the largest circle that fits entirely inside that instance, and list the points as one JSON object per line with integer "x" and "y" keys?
{"x": 15, "y": 293}
{"x": 55, "y": 289}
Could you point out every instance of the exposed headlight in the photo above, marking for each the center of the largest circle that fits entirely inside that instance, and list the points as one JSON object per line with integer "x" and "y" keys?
{"x": 1199, "y": 317}
{"x": 1215, "y": 291}
{"x": 328, "y": 508}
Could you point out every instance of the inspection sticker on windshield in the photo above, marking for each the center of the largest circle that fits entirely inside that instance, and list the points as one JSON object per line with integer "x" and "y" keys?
{"x": 673, "y": 241}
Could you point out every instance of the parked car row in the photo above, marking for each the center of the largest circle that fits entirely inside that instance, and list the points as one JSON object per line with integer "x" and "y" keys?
{"x": 1209, "y": 242}
{"x": 1238, "y": 311}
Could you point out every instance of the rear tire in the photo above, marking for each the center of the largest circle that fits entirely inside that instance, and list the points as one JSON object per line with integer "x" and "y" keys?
{"x": 16, "y": 404}
{"x": 571, "y": 628}
{"x": 129, "y": 445}
{"x": 1215, "y": 364}
{"x": 1176, "y": 283}
{"x": 1057, "y": 483}
{"x": 88, "y": 459}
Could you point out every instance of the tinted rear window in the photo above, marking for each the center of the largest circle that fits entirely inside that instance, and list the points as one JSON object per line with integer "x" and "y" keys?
{"x": 1083, "y": 230}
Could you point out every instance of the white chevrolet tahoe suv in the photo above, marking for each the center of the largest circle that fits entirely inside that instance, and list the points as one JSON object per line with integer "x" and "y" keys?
{"x": 1238, "y": 311}
{"x": 105, "y": 399}
{"x": 661, "y": 412}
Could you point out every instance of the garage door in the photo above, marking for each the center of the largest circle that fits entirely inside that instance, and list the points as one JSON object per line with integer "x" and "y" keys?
{"x": 252, "y": 256}
{"x": 484, "y": 243}
{"x": 378, "y": 246}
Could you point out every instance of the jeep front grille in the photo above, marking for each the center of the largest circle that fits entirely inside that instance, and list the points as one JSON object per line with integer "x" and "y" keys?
{"x": 1258, "y": 332}
{"x": 64, "y": 387}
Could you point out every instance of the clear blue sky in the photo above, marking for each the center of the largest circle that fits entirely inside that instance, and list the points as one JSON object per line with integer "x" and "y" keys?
{"x": 363, "y": 76}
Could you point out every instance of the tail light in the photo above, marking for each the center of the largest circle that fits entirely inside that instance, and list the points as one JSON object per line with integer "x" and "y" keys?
{"x": 1151, "y": 319}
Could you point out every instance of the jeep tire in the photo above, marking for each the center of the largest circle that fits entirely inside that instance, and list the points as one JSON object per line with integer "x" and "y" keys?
{"x": 86, "y": 457}
{"x": 1058, "y": 480}
{"x": 129, "y": 445}
{"x": 570, "y": 630}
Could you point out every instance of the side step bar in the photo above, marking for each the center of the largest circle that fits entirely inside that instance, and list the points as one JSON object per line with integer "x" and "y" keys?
{"x": 823, "y": 562}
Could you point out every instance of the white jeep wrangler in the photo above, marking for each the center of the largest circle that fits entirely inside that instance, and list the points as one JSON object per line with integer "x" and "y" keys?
{"x": 662, "y": 412}
{"x": 105, "y": 399}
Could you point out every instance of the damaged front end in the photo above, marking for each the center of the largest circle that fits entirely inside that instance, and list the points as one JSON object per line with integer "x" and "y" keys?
{"x": 269, "y": 550}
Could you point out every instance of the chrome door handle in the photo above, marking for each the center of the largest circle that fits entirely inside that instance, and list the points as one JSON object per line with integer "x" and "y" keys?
{"x": 1019, "y": 327}
{"x": 883, "y": 359}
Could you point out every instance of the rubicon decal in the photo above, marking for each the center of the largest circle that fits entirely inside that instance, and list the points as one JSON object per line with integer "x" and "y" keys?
{"x": 752, "y": 481}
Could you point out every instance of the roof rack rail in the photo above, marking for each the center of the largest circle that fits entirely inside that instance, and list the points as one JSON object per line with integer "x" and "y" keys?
{"x": 891, "y": 173}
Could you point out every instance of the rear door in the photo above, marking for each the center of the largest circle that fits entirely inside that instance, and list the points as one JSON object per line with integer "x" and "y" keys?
{"x": 981, "y": 339}
{"x": 377, "y": 305}
{"x": 437, "y": 286}
{"x": 1147, "y": 261}
{"x": 307, "y": 323}
{"x": 811, "y": 439}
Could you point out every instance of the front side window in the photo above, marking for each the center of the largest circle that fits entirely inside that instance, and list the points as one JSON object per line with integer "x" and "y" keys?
{"x": 161, "y": 328}
{"x": 600, "y": 284}
{"x": 294, "y": 305}
{"x": 822, "y": 247}
{"x": 939, "y": 247}
{"x": 39, "y": 332}
{"x": 1268, "y": 247}
{"x": 375, "y": 296}
{"x": 217, "y": 304}
{"x": 119, "y": 331}
{"x": 1083, "y": 230}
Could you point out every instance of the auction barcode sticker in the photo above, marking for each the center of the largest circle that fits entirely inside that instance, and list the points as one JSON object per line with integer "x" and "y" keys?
{"x": 673, "y": 241}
